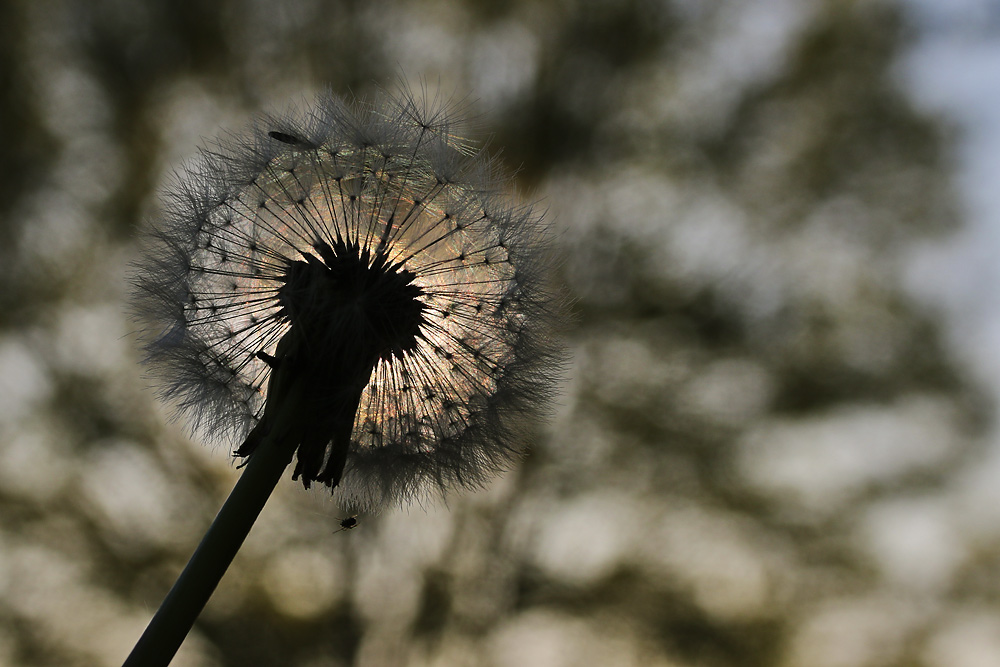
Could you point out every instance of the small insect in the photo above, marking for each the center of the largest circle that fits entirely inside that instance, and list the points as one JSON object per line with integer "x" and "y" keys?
{"x": 348, "y": 523}
{"x": 287, "y": 138}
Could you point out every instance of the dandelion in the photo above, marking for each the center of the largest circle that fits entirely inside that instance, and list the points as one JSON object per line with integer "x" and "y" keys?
{"x": 354, "y": 289}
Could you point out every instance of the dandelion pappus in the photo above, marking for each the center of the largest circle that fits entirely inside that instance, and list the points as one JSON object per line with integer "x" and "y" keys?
{"x": 320, "y": 280}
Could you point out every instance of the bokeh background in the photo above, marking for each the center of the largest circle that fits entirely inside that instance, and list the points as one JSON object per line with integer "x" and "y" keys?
{"x": 776, "y": 444}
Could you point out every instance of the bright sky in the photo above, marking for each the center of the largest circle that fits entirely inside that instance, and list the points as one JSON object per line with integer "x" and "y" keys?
{"x": 953, "y": 72}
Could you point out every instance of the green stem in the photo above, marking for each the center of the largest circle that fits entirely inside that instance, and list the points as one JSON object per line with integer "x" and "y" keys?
{"x": 173, "y": 620}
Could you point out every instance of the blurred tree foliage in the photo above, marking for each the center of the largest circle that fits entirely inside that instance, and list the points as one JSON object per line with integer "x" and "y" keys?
{"x": 762, "y": 453}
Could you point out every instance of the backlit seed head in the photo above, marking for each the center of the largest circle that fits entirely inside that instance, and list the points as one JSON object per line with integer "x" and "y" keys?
{"x": 395, "y": 253}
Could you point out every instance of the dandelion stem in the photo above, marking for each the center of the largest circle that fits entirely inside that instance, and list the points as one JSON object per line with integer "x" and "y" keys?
{"x": 175, "y": 617}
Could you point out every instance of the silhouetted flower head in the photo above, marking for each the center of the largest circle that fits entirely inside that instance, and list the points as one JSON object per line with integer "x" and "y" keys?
{"x": 367, "y": 247}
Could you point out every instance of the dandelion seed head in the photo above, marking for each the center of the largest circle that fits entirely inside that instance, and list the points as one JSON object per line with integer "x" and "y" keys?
{"x": 395, "y": 252}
